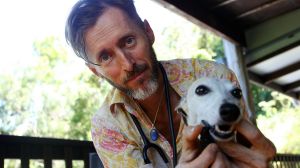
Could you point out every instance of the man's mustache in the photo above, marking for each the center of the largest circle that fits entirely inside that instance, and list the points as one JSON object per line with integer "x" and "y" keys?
{"x": 137, "y": 69}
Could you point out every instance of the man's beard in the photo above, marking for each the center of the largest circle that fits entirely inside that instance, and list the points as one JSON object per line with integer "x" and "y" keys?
{"x": 151, "y": 85}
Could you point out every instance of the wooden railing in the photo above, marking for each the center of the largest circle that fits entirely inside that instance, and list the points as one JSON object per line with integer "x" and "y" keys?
{"x": 49, "y": 149}
{"x": 46, "y": 149}
{"x": 286, "y": 161}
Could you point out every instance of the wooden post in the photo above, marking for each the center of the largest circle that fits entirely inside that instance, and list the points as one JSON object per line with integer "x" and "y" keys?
{"x": 86, "y": 160}
{"x": 68, "y": 157}
{"x": 24, "y": 156}
{"x": 2, "y": 156}
{"x": 1, "y": 162}
{"x": 236, "y": 63}
{"x": 47, "y": 157}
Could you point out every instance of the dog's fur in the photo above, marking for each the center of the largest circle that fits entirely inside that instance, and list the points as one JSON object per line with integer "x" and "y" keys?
{"x": 214, "y": 103}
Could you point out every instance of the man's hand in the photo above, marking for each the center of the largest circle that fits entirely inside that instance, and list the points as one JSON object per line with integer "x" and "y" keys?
{"x": 258, "y": 155}
{"x": 193, "y": 156}
{"x": 226, "y": 154}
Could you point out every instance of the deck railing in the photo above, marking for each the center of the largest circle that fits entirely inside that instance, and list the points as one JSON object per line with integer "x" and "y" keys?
{"x": 46, "y": 149}
{"x": 49, "y": 149}
{"x": 286, "y": 161}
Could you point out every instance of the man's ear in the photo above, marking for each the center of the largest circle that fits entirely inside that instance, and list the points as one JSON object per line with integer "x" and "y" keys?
{"x": 93, "y": 69}
{"x": 149, "y": 31}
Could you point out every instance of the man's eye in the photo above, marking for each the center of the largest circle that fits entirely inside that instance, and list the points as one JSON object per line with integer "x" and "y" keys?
{"x": 130, "y": 41}
{"x": 105, "y": 57}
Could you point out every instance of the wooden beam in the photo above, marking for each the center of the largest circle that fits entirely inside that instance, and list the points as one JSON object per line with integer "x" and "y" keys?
{"x": 259, "y": 81}
{"x": 291, "y": 86}
{"x": 202, "y": 16}
{"x": 281, "y": 72}
{"x": 273, "y": 54}
{"x": 258, "y": 9}
{"x": 226, "y": 2}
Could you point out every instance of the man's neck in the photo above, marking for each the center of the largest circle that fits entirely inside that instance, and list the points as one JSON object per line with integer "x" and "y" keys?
{"x": 150, "y": 107}
{"x": 151, "y": 103}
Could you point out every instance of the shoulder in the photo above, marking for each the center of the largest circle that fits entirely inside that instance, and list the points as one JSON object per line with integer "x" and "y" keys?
{"x": 206, "y": 68}
{"x": 194, "y": 66}
{"x": 101, "y": 115}
{"x": 182, "y": 72}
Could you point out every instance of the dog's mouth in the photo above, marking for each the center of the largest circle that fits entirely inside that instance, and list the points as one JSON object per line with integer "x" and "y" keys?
{"x": 222, "y": 132}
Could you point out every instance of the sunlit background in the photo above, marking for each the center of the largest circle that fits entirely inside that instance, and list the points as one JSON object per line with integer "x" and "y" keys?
{"x": 47, "y": 91}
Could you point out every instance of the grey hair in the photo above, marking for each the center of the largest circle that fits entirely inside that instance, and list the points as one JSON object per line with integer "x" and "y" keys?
{"x": 84, "y": 15}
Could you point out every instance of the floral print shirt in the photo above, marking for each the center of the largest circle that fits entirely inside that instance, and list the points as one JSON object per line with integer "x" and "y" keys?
{"x": 116, "y": 138}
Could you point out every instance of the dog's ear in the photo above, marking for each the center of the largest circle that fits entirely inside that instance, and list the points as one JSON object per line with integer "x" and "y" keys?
{"x": 183, "y": 115}
{"x": 181, "y": 108}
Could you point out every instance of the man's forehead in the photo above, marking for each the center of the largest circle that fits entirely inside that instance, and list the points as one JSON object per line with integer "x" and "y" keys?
{"x": 111, "y": 19}
{"x": 112, "y": 25}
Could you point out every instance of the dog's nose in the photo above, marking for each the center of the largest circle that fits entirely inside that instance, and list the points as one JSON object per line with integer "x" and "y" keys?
{"x": 229, "y": 112}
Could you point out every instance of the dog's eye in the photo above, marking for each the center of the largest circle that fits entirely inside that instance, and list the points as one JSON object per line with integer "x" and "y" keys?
{"x": 237, "y": 93}
{"x": 202, "y": 90}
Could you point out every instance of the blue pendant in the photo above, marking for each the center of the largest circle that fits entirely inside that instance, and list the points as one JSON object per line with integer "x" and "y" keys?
{"x": 153, "y": 134}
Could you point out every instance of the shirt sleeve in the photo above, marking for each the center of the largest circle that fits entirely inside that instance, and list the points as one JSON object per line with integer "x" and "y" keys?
{"x": 205, "y": 68}
{"x": 112, "y": 147}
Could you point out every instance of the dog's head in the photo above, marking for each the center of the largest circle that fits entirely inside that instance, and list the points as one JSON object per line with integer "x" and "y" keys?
{"x": 214, "y": 103}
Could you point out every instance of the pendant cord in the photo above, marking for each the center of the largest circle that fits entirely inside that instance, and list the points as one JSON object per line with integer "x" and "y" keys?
{"x": 153, "y": 123}
{"x": 167, "y": 94}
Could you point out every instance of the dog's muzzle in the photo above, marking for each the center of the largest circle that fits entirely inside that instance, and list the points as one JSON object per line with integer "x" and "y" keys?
{"x": 224, "y": 131}
{"x": 229, "y": 112}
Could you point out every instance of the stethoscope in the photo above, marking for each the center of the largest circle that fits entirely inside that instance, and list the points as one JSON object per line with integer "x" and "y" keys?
{"x": 147, "y": 143}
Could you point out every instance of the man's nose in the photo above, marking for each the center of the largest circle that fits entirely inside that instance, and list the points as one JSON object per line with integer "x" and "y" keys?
{"x": 126, "y": 60}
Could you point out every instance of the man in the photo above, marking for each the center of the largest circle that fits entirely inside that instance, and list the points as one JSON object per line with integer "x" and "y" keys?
{"x": 117, "y": 46}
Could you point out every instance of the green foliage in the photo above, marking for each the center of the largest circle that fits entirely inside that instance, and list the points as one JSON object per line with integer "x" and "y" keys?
{"x": 41, "y": 100}
{"x": 186, "y": 41}
{"x": 260, "y": 94}
{"x": 278, "y": 118}
{"x": 282, "y": 128}
{"x": 14, "y": 100}
{"x": 48, "y": 97}
{"x": 85, "y": 105}
{"x": 50, "y": 51}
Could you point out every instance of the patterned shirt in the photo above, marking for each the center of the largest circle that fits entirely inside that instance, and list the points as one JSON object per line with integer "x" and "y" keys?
{"x": 116, "y": 138}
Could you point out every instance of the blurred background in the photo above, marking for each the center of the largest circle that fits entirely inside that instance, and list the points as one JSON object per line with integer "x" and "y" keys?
{"x": 46, "y": 91}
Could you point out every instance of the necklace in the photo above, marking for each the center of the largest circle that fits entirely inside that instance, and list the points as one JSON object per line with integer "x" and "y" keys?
{"x": 154, "y": 132}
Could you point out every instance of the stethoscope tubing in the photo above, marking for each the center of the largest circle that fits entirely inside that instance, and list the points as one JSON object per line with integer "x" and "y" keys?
{"x": 147, "y": 143}
{"x": 167, "y": 94}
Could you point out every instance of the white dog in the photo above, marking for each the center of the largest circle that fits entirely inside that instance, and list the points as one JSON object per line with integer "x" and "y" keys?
{"x": 214, "y": 103}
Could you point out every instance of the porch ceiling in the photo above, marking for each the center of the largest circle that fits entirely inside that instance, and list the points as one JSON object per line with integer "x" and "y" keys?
{"x": 268, "y": 30}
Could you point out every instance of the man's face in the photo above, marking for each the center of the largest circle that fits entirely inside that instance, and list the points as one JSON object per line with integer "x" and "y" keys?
{"x": 124, "y": 51}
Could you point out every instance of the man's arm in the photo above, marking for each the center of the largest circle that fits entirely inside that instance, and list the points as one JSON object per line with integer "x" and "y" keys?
{"x": 112, "y": 147}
